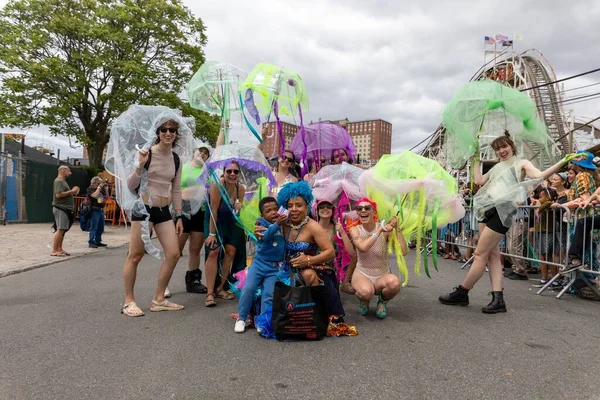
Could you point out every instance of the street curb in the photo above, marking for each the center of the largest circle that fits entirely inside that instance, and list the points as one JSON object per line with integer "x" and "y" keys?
{"x": 4, "y": 274}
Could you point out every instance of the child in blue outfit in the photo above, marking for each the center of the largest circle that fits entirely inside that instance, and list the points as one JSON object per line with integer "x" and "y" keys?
{"x": 263, "y": 270}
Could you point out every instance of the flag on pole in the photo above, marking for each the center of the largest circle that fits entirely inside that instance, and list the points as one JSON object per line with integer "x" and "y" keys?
{"x": 518, "y": 37}
{"x": 488, "y": 40}
{"x": 501, "y": 39}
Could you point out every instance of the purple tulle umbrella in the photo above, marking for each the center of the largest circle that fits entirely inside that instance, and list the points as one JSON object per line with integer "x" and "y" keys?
{"x": 322, "y": 139}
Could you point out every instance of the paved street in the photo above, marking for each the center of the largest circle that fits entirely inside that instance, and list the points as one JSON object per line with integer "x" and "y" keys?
{"x": 63, "y": 338}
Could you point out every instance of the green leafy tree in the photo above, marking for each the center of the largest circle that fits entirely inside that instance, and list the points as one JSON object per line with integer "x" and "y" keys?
{"x": 74, "y": 65}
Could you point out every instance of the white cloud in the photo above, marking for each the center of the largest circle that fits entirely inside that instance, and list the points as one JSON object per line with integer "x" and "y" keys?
{"x": 392, "y": 60}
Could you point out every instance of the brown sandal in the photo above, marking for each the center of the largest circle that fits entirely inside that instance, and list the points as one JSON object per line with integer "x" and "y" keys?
{"x": 222, "y": 294}
{"x": 210, "y": 302}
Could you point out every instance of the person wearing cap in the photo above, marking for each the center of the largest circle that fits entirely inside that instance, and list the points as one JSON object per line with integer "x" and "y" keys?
{"x": 586, "y": 191}
{"x": 586, "y": 182}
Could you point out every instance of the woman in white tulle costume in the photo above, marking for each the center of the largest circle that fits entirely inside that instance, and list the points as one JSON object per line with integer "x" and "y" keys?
{"x": 495, "y": 207}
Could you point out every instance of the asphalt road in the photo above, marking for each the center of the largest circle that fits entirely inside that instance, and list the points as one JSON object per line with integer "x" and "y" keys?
{"x": 62, "y": 337}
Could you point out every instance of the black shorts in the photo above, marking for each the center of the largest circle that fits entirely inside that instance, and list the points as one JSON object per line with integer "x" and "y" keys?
{"x": 158, "y": 215}
{"x": 492, "y": 221}
{"x": 195, "y": 223}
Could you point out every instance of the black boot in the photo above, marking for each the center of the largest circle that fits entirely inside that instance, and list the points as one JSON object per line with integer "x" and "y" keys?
{"x": 496, "y": 305}
{"x": 193, "y": 282}
{"x": 460, "y": 297}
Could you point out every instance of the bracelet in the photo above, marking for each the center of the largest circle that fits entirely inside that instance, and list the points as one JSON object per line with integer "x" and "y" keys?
{"x": 212, "y": 234}
{"x": 375, "y": 235}
{"x": 307, "y": 261}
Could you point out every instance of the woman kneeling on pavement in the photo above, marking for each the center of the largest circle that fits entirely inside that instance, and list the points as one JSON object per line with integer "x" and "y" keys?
{"x": 372, "y": 275}
{"x": 159, "y": 164}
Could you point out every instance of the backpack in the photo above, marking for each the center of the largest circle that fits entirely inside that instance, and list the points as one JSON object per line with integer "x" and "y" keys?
{"x": 176, "y": 160}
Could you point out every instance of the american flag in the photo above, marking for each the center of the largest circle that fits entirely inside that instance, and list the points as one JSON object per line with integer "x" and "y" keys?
{"x": 488, "y": 40}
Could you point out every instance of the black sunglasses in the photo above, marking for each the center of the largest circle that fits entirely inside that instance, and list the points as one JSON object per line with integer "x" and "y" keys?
{"x": 232, "y": 171}
{"x": 365, "y": 208}
{"x": 288, "y": 159}
{"x": 170, "y": 130}
{"x": 325, "y": 206}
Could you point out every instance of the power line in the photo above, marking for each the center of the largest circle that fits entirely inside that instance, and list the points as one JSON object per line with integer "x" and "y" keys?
{"x": 580, "y": 87}
{"x": 561, "y": 80}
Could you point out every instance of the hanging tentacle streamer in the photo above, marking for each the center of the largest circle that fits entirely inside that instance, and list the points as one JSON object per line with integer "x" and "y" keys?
{"x": 248, "y": 124}
{"x": 303, "y": 136}
{"x": 434, "y": 230}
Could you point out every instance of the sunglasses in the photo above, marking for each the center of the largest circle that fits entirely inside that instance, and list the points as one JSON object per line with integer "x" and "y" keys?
{"x": 365, "y": 208}
{"x": 288, "y": 159}
{"x": 170, "y": 130}
{"x": 325, "y": 206}
{"x": 232, "y": 171}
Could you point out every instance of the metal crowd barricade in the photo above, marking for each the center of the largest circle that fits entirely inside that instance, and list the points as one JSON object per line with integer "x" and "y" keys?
{"x": 539, "y": 237}
{"x": 585, "y": 234}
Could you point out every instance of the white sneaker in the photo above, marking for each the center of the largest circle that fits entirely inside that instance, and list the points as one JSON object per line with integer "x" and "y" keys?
{"x": 167, "y": 293}
{"x": 259, "y": 331}
{"x": 240, "y": 326}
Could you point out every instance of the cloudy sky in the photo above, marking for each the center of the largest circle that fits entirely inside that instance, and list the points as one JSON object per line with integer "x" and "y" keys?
{"x": 398, "y": 61}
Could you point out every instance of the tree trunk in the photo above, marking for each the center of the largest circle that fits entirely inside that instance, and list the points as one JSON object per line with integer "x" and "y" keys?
{"x": 96, "y": 153}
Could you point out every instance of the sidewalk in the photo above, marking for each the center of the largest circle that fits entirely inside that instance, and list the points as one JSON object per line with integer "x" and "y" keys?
{"x": 27, "y": 246}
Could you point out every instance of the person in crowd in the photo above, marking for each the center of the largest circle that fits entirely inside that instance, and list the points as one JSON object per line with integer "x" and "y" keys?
{"x": 193, "y": 227}
{"x": 583, "y": 238}
{"x": 97, "y": 196}
{"x": 285, "y": 172}
{"x": 545, "y": 239}
{"x": 63, "y": 208}
{"x": 571, "y": 176}
{"x": 496, "y": 208}
{"x": 516, "y": 237}
{"x": 372, "y": 275}
{"x": 586, "y": 182}
{"x": 449, "y": 233}
{"x": 161, "y": 165}
{"x": 308, "y": 247}
{"x": 564, "y": 195}
{"x": 265, "y": 264}
{"x": 324, "y": 214}
{"x": 223, "y": 233}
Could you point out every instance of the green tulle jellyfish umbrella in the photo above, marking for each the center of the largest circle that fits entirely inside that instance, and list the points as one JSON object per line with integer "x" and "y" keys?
{"x": 480, "y": 112}
{"x": 420, "y": 192}
{"x": 214, "y": 89}
{"x": 273, "y": 89}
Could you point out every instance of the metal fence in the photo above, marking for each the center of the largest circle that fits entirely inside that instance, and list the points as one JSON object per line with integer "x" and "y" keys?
{"x": 26, "y": 189}
{"x": 540, "y": 239}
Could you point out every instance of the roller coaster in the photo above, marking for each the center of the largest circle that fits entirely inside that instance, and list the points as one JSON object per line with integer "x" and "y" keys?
{"x": 532, "y": 73}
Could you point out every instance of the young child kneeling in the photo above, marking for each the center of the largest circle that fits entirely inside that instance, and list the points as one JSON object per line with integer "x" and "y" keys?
{"x": 265, "y": 265}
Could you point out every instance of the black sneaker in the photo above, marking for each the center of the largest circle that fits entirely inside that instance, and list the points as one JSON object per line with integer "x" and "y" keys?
{"x": 517, "y": 277}
{"x": 101, "y": 245}
{"x": 460, "y": 297}
{"x": 93, "y": 246}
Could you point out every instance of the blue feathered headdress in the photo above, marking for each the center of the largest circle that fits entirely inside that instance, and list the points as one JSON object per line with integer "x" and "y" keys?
{"x": 293, "y": 190}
